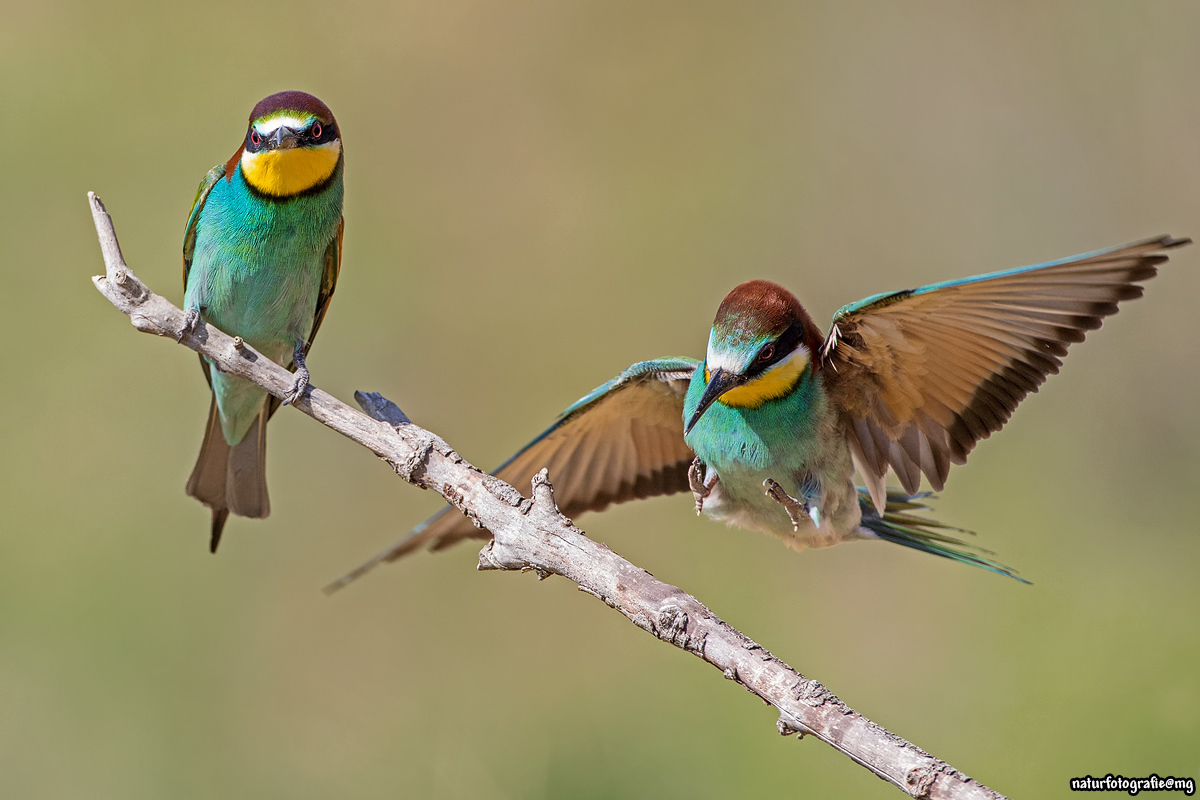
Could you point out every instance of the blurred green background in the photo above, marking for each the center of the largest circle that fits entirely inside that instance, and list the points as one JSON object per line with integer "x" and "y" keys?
{"x": 538, "y": 194}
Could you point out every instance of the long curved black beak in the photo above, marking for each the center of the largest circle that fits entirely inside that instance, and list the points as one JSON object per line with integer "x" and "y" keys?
{"x": 719, "y": 382}
{"x": 284, "y": 138}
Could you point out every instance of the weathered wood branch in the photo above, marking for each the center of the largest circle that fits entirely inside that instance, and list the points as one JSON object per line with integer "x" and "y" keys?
{"x": 531, "y": 534}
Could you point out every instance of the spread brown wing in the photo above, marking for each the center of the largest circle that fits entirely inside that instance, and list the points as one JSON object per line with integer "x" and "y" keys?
{"x": 922, "y": 375}
{"x": 621, "y": 442}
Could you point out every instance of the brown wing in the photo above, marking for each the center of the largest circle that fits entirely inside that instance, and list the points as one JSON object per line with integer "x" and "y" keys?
{"x": 621, "y": 442}
{"x": 922, "y": 375}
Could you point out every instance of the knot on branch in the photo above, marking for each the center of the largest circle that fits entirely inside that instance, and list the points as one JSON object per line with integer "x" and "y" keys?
{"x": 413, "y": 468}
{"x": 919, "y": 781}
{"x": 506, "y": 494}
{"x": 542, "y": 495}
{"x": 137, "y": 292}
{"x": 814, "y": 694}
{"x": 123, "y": 289}
{"x": 487, "y": 557}
{"x": 788, "y": 725}
{"x": 133, "y": 290}
{"x": 763, "y": 653}
{"x": 671, "y": 626}
{"x": 501, "y": 558}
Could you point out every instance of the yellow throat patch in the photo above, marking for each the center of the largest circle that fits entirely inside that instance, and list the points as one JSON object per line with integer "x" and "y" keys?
{"x": 283, "y": 173}
{"x": 771, "y": 385}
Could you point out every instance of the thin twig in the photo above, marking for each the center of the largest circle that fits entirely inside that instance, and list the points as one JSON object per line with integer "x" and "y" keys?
{"x": 531, "y": 534}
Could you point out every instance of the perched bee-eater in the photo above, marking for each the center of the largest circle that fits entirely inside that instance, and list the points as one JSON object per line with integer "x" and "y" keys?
{"x": 261, "y": 255}
{"x": 768, "y": 430}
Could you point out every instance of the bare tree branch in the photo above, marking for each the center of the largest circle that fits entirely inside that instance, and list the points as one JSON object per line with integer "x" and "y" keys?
{"x": 531, "y": 534}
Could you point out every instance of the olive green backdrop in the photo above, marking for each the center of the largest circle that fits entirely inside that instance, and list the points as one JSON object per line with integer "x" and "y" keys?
{"x": 538, "y": 194}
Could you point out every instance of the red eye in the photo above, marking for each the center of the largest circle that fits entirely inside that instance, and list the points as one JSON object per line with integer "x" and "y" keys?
{"x": 255, "y": 139}
{"x": 767, "y": 353}
{"x": 316, "y": 130}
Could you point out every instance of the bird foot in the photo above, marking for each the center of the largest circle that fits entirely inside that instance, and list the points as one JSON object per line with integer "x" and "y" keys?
{"x": 300, "y": 382}
{"x": 796, "y": 510}
{"x": 190, "y": 318}
{"x": 701, "y": 486}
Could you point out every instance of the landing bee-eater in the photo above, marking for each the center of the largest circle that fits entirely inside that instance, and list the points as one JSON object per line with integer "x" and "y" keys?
{"x": 769, "y": 429}
{"x": 261, "y": 254}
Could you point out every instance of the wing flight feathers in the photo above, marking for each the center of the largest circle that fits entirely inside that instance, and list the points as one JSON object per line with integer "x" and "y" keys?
{"x": 922, "y": 375}
{"x": 620, "y": 442}
{"x": 189, "y": 232}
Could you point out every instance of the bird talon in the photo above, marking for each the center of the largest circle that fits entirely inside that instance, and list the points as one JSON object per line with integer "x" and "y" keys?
{"x": 796, "y": 510}
{"x": 700, "y": 485}
{"x": 301, "y": 381}
{"x": 298, "y": 387}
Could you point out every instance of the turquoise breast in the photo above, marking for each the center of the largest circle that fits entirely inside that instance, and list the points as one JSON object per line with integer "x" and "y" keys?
{"x": 256, "y": 273}
{"x": 258, "y": 262}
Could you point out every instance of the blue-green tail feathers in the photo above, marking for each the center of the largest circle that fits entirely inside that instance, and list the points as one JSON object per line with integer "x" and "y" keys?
{"x": 899, "y": 525}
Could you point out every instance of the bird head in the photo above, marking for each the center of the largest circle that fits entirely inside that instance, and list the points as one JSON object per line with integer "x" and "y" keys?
{"x": 761, "y": 343}
{"x": 292, "y": 145}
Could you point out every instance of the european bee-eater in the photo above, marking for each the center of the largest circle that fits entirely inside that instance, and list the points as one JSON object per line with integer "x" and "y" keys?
{"x": 261, "y": 255}
{"x": 768, "y": 430}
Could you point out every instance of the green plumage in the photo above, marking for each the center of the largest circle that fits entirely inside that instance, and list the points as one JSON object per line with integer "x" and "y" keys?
{"x": 897, "y": 524}
{"x": 784, "y": 439}
{"x": 262, "y": 268}
{"x": 256, "y": 272}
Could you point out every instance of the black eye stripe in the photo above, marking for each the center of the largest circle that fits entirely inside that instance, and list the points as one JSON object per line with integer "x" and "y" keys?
{"x": 329, "y": 133}
{"x": 784, "y": 345}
